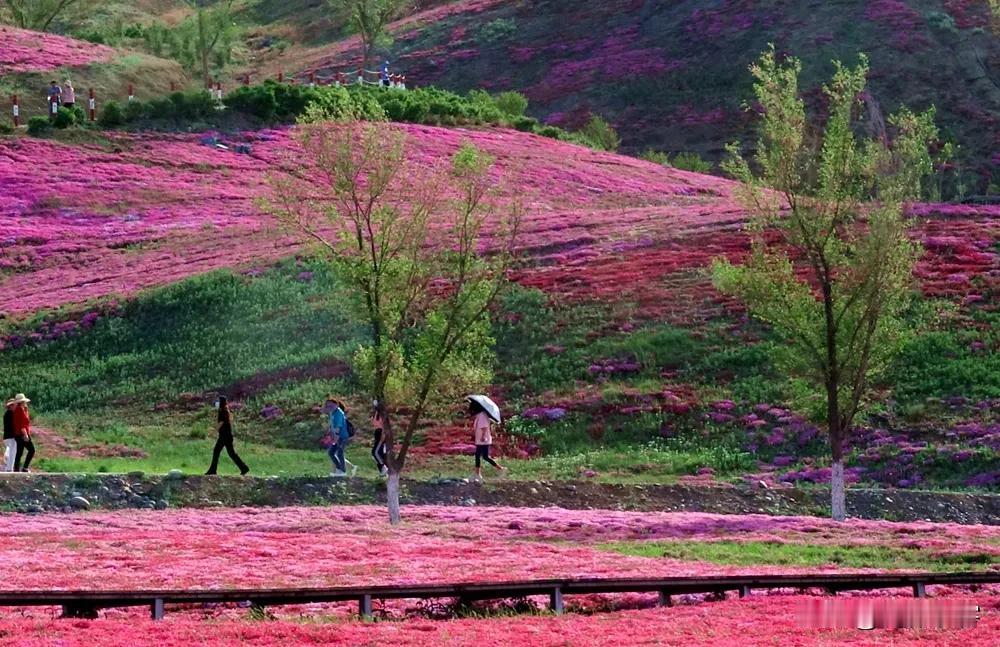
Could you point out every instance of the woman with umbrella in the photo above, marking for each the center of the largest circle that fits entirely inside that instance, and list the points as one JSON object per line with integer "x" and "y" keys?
{"x": 483, "y": 412}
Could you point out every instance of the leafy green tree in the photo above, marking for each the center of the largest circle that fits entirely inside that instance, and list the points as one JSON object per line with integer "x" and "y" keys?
{"x": 369, "y": 18}
{"x": 408, "y": 242}
{"x": 36, "y": 14}
{"x": 830, "y": 267}
{"x": 207, "y": 37}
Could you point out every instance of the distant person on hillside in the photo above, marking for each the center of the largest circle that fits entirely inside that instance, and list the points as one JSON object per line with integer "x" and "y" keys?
{"x": 378, "y": 446}
{"x": 22, "y": 432}
{"x": 9, "y": 439}
{"x": 224, "y": 425}
{"x": 481, "y": 430}
{"x": 68, "y": 96}
{"x": 385, "y": 74}
{"x": 55, "y": 97}
{"x": 340, "y": 434}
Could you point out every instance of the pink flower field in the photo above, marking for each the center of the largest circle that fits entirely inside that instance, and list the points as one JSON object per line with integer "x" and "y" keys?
{"x": 333, "y": 546}
{"x": 346, "y": 545}
{"x": 30, "y": 51}
{"x": 85, "y": 221}
{"x": 752, "y": 622}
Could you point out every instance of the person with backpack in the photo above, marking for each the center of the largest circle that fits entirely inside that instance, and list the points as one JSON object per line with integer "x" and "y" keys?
{"x": 224, "y": 425}
{"x": 483, "y": 437}
{"x": 378, "y": 444}
{"x": 341, "y": 432}
{"x": 9, "y": 439}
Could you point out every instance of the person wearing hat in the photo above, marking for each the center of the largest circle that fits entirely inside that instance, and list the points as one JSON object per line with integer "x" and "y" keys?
{"x": 9, "y": 439}
{"x": 68, "y": 95}
{"x": 22, "y": 433}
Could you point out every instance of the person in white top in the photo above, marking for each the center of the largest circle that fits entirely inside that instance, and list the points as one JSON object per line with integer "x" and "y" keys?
{"x": 481, "y": 429}
{"x": 68, "y": 94}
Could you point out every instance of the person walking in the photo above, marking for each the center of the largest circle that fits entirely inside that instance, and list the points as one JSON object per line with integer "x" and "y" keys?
{"x": 68, "y": 96}
{"x": 224, "y": 425}
{"x": 482, "y": 433}
{"x": 378, "y": 445}
{"x": 22, "y": 433}
{"x": 341, "y": 435}
{"x": 9, "y": 438}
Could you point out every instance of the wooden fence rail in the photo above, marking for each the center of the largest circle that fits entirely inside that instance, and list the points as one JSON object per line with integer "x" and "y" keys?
{"x": 85, "y": 603}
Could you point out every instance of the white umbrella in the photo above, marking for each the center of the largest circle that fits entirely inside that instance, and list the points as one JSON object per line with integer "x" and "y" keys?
{"x": 489, "y": 406}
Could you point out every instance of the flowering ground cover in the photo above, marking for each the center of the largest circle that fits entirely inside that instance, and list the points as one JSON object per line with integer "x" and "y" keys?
{"x": 84, "y": 221}
{"x": 344, "y": 545}
{"x": 333, "y": 546}
{"x": 755, "y": 621}
{"x": 671, "y": 75}
{"x": 30, "y": 51}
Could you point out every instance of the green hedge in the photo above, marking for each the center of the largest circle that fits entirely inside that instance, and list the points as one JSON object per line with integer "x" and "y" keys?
{"x": 271, "y": 103}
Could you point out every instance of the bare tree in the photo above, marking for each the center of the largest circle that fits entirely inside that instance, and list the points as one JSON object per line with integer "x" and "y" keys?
{"x": 36, "y": 14}
{"x": 370, "y": 19}
{"x": 408, "y": 243}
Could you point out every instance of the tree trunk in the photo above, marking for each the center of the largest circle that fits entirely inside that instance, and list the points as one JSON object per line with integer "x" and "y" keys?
{"x": 392, "y": 497}
{"x": 838, "y": 498}
{"x": 838, "y": 494}
{"x": 203, "y": 47}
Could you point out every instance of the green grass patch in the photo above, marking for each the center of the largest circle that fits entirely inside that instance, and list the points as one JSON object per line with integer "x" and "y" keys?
{"x": 762, "y": 553}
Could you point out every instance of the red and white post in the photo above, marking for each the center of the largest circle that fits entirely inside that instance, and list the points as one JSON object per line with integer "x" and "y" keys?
{"x": 218, "y": 90}
{"x": 131, "y": 93}
{"x": 16, "y": 111}
{"x": 281, "y": 77}
{"x": 312, "y": 79}
{"x": 92, "y": 105}
{"x": 246, "y": 79}
{"x": 53, "y": 107}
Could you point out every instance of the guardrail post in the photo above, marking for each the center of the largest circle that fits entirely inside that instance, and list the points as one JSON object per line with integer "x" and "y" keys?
{"x": 17, "y": 112}
{"x": 919, "y": 590}
{"x": 664, "y": 599}
{"x": 556, "y": 601}
{"x": 156, "y": 609}
{"x": 365, "y": 607}
{"x": 92, "y": 105}
{"x": 744, "y": 591}
{"x": 281, "y": 77}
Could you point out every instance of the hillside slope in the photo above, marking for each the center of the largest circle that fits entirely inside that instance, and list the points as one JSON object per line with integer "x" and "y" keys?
{"x": 672, "y": 75}
{"x": 133, "y": 211}
{"x": 29, "y": 60}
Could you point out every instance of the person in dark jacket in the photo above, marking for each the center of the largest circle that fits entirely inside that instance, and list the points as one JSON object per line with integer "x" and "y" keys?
{"x": 9, "y": 438}
{"x": 224, "y": 425}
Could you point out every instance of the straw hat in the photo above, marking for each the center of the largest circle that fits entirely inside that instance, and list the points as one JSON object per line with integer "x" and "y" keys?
{"x": 18, "y": 399}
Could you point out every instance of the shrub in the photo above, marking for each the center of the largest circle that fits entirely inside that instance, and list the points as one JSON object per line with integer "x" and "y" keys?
{"x": 6, "y": 128}
{"x": 512, "y": 104}
{"x": 336, "y": 103}
{"x": 497, "y": 30}
{"x": 526, "y": 124}
{"x": 112, "y": 116}
{"x": 656, "y": 157}
{"x": 691, "y": 162}
{"x": 600, "y": 134}
{"x": 38, "y": 126}
{"x": 64, "y": 118}
{"x": 257, "y": 100}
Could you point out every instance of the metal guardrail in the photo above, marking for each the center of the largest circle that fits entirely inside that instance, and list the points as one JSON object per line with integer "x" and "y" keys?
{"x": 85, "y": 603}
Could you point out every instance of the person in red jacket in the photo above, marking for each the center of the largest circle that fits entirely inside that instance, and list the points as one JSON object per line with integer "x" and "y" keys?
{"x": 22, "y": 432}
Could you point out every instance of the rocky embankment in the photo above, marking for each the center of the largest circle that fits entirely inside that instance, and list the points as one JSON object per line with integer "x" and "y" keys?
{"x": 37, "y": 493}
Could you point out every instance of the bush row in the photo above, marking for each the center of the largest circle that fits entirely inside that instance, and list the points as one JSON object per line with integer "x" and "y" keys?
{"x": 272, "y": 103}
